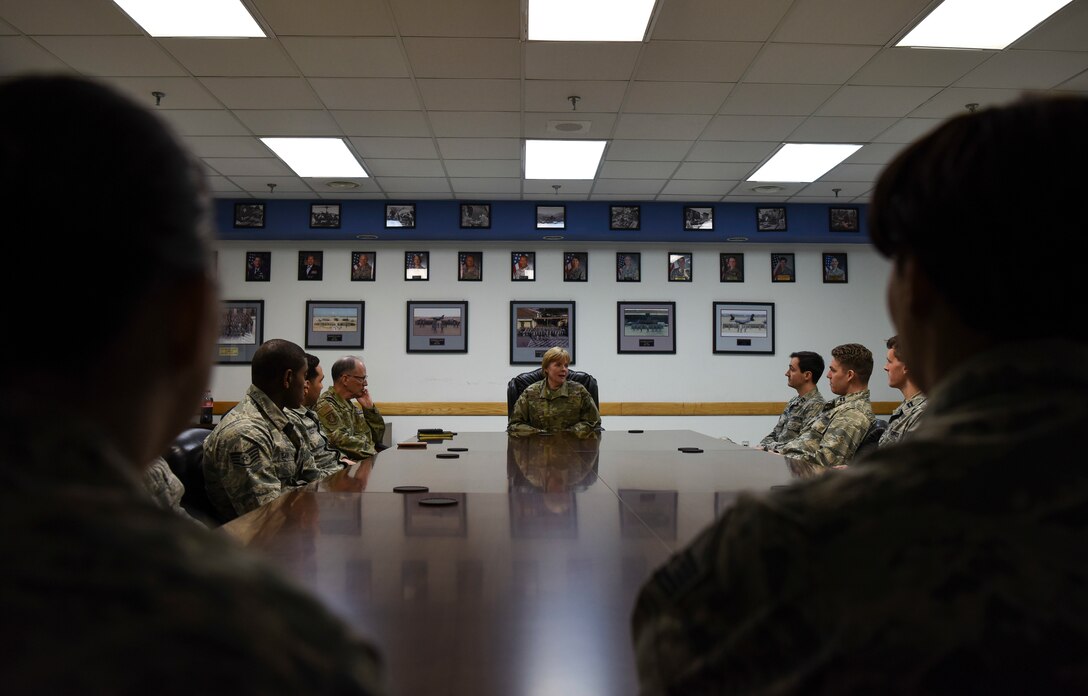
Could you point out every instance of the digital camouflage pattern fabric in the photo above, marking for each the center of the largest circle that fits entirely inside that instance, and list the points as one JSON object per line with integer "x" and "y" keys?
{"x": 831, "y": 438}
{"x": 570, "y": 407}
{"x": 799, "y": 410}
{"x": 165, "y": 488}
{"x": 904, "y": 419}
{"x": 326, "y": 457}
{"x": 352, "y": 433}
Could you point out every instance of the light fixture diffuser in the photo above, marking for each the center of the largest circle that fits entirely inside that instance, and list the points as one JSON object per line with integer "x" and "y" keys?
{"x": 562, "y": 159}
{"x": 193, "y": 18}
{"x": 317, "y": 157}
{"x": 803, "y": 162}
{"x": 990, "y": 24}
{"x": 589, "y": 20}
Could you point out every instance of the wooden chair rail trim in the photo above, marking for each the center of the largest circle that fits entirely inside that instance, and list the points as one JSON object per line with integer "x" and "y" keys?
{"x": 621, "y": 408}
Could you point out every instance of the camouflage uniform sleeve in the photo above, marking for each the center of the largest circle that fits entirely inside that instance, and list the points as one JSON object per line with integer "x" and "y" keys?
{"x": 376, "y": 424}
{"x": 165, "y": 488}
{"x": 828, "y": 444}
{"x": 519, "y": 419}
{"x": 589, "y": 418}
{"x": 248, "y": 472}
{"x": 775, "y": 437}
{"x": 342, "y": 431}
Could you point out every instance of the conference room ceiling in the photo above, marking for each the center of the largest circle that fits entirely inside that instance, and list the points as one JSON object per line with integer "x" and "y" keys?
{"x": 436, "y": 98}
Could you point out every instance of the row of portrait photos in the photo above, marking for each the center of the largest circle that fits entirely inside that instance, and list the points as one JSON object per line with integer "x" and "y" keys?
{"x": 548, "y": 217}
{"x": 677, "y": 267}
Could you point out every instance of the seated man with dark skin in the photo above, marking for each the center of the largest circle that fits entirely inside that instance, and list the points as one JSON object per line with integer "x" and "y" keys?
{"x": 554, "y": 403}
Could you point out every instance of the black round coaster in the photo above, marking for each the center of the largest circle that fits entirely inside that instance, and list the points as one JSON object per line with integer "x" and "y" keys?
{"x": 437, "y": 502}
{"x": 447, "y": 455}
{"x": 410, "y": 489}
{"x": 457, "y": 449}
{"x": 636, "y": 431}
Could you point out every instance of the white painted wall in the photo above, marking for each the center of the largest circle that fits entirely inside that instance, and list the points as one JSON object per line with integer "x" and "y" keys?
{"x": 810, "y": 316}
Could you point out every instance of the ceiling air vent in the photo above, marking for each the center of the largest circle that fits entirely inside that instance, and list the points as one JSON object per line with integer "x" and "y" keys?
{"x": 568, "y": 127}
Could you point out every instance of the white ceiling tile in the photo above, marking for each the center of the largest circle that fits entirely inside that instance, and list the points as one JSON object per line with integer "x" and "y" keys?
{"x": 552, "y": 95}
{"x": 918, "y": 67}
{"x": 763, "y": 128}
{"x": 7, "y": 30}
{"x": 714, "y": 170}
{"x": 705, "y": 188}
{"x": 248, "y": 166}
{"x": 907, "y": 130}
{"x": 485, "y": 18}
{"x": 676, "y": 97}
{"x": 19, "y": 54}
{"x": 210, "y": 147}
{"x": 847, "y": 21}
{"x": 731, "y": 151}
{"x": 690, "y": 198}
{"x": 875, "y": 153}
{"x": 469, "y": 124}
{"x": 1065, "y": 30}
{"x": 231, "y": 57}
{"x": 321, "y": 56}
{"x": 743, "y": 198}
{"x": 631, "y": 187}
{"x": 622, "y": 197}
{"x": 220, "y": 184}
{"x": 493, "y": 184}
{"x": 569, "y": 186}
{"x": 288, "y": 122}
{"x": 464, "y": 58}
{"x": 470, "y": 95}
{"x": 696, "y": 61}
{"x": 489, "y": 148}
{"x": 954, "y": 100}
{"x": 826, "y": 189}
{"x": 487, "y": 195}
{"x": 876, "y": 101}
{"x": 418, "y": 168}
{"x": 821, "y": 129}
{"x": 647, "y": 150}
{"x": 179, "y": 92}
{"x": 719, "y": 20}
{"x": 411, "y": 124}
{"x": 484, "y": 168}
{"x": 637, "y": 170}
{"x": 284, "y": 185}
{"x": 328, "y": 18}
{"x": 745, "y": 188}
{"x": 386, "y": 94}
{"x": 854, "y": 172}
{"x": 396, "y": 148}
{"x": 1078, "y": 83}
{"x": 403, "y": 185}
{"x": 776, "y": 100}
{"x": 52, "y": 17}
{"x": 321, "y": 184}
{"x": 112, "y": 55}
{"x": 1026, "y": 70}
{"x": 355, "y": 196}
{"x": 650, "y": 126}
{"x": 203, "y": 122}
{"x": 262, "y": 92}
{"x": 600, "y": 125}
{"x": 551, "y": 60}
{"x": 808, "y": 63}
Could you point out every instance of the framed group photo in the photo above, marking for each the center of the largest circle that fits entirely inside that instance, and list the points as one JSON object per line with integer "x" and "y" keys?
{"x": 249, "y": 215}
{"x": 536, "y": 326}
{"x": 646, "y": 327}
{"x": 551, "y": 217}
{"x": 844, "y": 220}
{"x": 783, "y": 269}
{"x": 400, "y": 215}
{"x": 363, "y": 264}
{"x": 835, "y": 268}
{"x": 416, "y": 265}
{"x": 470, "y": 265}
{"x": 628, "y": 267}
{"x": 325, "y": 215}
{"x": 743, "y": 327}
{"x": 309, "y": 265}
{"x": 771, "y": 219}
{"x": 437, "y": 327}
{"x": 575, "y": 267}
{"x": 523, "y": 265}
{"x": 334, "y": 323}
{"x": 258, "y": 266}
{"x": 680, "y": 267}
{"x": 732, "y": 267}
{"x": 698, "y": 217}
{"x": 476, "y": 216}
{"x": 241, "y": 331}
{"x": 624, "y": 217}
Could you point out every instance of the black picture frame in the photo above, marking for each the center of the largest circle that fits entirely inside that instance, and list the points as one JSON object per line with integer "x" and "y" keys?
{"x": 414, "y": 271}
{"x": 834, "y": 268}
{"x": 335, "y": 323}
{"x": 783, "y": 268}
{"x": 364, "y": 266}
{"x": 575, "y": 267}
{"x": 400, "y": 215}
{"x": 628, "y": 272}
{"x": 476, "y": 216}
{"x": 470, "y": 272}
{"x": 248, "y": 215}
{"x": 325, "y": 216}
{"x": 699, "y": 217}
{"x": 645, "y": 327}
{"x": 536, "y": 326}
{"x": 743, "y": 327}
{"x": 846, "y": 219}
{"x": 523, "y": 272}
{"x": 771, "y": 219}
{"x": 437, "y": 326}
{"x": 680, "y": 270}
{"x": 258, "y": 266}
{"x": 624, "y": 217}
{"x": 241, "y": 331}
{"x": 308, "y": 270}
{"x": 731, "y": 272}
{"x": 551, "y": 217}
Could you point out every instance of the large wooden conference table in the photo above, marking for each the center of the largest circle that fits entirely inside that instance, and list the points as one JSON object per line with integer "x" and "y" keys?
{"x": 524, "y": 586}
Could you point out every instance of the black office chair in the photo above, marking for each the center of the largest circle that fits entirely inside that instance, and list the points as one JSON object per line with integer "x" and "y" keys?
{"x": 871, "y": 440}
{"x": 517, "y": 385}
{"x": 186, "y": 459}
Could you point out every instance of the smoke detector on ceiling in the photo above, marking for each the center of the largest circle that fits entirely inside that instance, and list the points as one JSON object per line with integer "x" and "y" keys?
{"x": 568, "y": 127}
{"x": 342, "y": 184}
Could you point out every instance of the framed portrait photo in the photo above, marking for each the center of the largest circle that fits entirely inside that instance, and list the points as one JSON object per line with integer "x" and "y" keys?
{"x": 680, "y": 267}
{"x": 835, "y": 268}
{"x": 249, "y": 215}
{"x": 258, "y": 266}
{"x": 470, "y": 265}
{"x": 575, "y": 267}
{"x": 732, "y": 267}
{"x": 325, "y": 215}
{"x": 743, "y": 327}
{"x": 476, "y": 216}
{"x": 624, "y": 217}
{"x": 551, "y": 217}
{"x": 536, "y": 326}
{"x": 783, "y": 269}
{"x": 417, "y": 265}
{"x": 364, "y": 265}
{"x": 310, "y": 265}
{"x": 400, "y": 215}
{"x": 334, "y": 324}
{"x": 437, "y": 327}
{"x": 628, "y": 267}
{"x": 844, "y": 220}
{"x": 646, "y": 327}
{"x": 241, "y": 331}
{"x": 698, "y": 217}
{"x": 523, "y": 265}
{"x": 771, "y": 219}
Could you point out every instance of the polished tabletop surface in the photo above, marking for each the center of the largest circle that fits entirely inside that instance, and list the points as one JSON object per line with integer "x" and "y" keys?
{"x": 526, "y": 584}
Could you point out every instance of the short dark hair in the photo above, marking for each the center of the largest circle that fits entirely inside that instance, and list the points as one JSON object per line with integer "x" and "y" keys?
{"x": 271, "y": 360}
{"x": 856, "y": 357}
{"x": 893, "y": 345}
{"x": 950, "y": 195}
{"x": 342, "y": 366}
{"x": 807, "y": 361}
{"x": 312, "y": 362}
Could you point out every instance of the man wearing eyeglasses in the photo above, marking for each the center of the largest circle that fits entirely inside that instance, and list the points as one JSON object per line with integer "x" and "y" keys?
{"x": 355, "y": 434}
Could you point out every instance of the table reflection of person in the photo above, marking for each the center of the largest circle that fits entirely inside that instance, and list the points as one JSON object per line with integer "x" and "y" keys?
{"x": 554, "y": 463}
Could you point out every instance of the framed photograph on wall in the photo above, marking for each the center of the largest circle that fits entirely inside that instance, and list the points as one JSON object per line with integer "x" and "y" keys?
{"x": 844, "y": 220}
{"x": 476, "y": 216}
{"x": 771, "y": 219}
{"x": 249, "y": 215}
{"x": 258, "y": 266}
{"x": 334, "y": 323}
{"x": 437, "y": 327}
{"x": 732, "y": 267}
{"x": 325, "y": 215}
{"x": 241, "y": 331}
{"x": 835, "y": 268}
{"x": 523, "y": 265}
{"x": 783, "y": 269}
{"x": 417, "y": 265}
{"x": 363, "y": 265}
{"x": 680, "y": 267}
{"x": 310, "y": 265}
{"x": 646, "y": 327}
{"x": 743, "y": 327}
{"x": 698, "y": 217}
{"x": 470, "y": 265}
{"x": 628, "y": 267}
{"x": 536, "y": 326}
{"x": 400, "y": 215}
{"x": 551, "y": 217}
{"x": 575, "y": 267}
{"x": 624, "y": 217}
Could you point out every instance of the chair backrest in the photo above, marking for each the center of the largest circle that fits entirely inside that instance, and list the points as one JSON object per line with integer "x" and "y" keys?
{"x": 871, "y": 440}
{"x": 186, "y": 459}
{"x": 517, "y": 385}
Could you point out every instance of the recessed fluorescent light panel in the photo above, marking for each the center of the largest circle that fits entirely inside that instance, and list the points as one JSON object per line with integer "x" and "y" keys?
{"x": 589, "y": 20}
{"x": 803, "y": 162}
{"x": 194, "y": 18}
{"x": 317, "y": 157}
{"x": 992, "y": 24}
{"x": 562, "y": 159}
